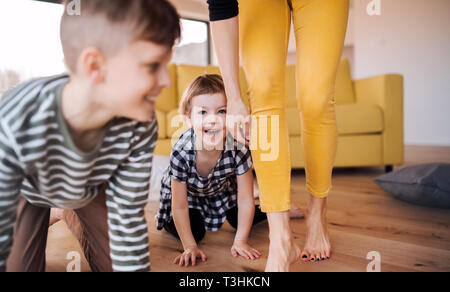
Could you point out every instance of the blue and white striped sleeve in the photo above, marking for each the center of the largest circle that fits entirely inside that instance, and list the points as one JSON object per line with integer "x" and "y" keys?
{"x": 126, "y": 198}
{"x": 11, "y": 176}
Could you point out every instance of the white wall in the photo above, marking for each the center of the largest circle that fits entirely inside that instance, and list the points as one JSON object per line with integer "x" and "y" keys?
{"x": 410, "y": 37}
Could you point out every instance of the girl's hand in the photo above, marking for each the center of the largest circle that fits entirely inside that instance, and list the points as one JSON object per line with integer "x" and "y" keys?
{"x": 241, "y": 248}
{"x": 190, "y": 255}
{"x": 238, "y": 120}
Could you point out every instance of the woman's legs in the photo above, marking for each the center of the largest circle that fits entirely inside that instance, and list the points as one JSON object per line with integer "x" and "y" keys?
{"x": 264, "y": 38}
{"x": 320, "y": 27}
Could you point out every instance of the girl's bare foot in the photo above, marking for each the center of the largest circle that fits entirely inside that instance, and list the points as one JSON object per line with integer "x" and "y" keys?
{"x": 296, "y": 213}
{"x": 283, "y": 250}
{"x": 317, "y": 246}
{"x": 56, "y": 215}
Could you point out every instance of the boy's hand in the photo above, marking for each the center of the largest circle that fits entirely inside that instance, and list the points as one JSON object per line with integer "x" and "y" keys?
{"x": 190, "y": 255}
{"x": 241, "y": 248}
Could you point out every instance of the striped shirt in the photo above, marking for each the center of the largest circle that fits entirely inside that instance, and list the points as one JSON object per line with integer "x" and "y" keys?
{"x": 40, "y": 161}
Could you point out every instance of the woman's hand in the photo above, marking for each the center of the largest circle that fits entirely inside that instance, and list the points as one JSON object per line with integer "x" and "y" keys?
{"x": 241, "y": 248}
{"x": 190, "y": 255}
{"x": 238, "y": 120}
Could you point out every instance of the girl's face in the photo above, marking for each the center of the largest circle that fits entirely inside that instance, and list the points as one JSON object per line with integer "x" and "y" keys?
{"x": 208, "y": 119}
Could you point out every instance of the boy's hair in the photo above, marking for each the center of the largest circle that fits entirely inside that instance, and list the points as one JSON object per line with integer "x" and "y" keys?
{"x": 108, "y": 25}
{"x": 204, "y": 84}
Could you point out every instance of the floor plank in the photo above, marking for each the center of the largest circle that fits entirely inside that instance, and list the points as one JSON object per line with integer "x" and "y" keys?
{"x": 362, "y": 218}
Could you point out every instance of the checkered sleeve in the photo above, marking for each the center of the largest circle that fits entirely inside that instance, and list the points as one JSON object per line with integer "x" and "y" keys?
{"x": 243, "y": 160}
{"x": 178, "y": 166}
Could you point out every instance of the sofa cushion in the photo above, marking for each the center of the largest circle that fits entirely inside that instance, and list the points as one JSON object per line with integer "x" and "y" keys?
{"x": 425, "y": 185}
{"x": 167, "y": 100}
{"x": 352, "y": 119}
{"x": 162, "y": 124}
{"x": 344, "y": 86}
{"x": 187, "y": 73}
{"x": 176, "y": 124}
{"x": 291, "y": 86}
{"x": 294, "y": 121}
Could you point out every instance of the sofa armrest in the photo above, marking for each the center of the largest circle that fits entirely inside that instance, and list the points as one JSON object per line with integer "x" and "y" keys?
{"x": 386, "y": 91}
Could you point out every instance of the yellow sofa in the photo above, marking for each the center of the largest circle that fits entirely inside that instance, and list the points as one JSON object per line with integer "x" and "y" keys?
{"x": 369, "y": 116}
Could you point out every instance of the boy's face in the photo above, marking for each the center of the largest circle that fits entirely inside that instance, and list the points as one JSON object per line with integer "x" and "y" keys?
{"x": 134, "y": 78}
{"x": 208, "y": 119}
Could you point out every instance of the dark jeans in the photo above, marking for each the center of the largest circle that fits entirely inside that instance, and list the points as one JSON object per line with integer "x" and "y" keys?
{"x": 198, "y": 225}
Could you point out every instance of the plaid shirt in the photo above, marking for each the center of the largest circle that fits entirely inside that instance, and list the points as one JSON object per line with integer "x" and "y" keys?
{"x": 212, "y": 195}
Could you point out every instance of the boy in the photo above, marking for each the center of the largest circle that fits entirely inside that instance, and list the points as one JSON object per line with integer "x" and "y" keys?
{"x": 66, "y": 139}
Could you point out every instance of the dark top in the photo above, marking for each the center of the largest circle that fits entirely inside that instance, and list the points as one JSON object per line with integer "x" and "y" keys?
{"x": 223, "y": 9}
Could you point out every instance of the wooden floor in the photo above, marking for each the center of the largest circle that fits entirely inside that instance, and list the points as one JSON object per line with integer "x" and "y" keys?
{"x": 362, "y": 218}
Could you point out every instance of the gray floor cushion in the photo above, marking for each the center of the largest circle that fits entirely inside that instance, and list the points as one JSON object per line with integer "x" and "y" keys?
{"x": 425, "y": 185}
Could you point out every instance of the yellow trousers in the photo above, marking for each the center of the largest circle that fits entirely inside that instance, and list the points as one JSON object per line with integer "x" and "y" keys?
{"x": 320, "y": 27}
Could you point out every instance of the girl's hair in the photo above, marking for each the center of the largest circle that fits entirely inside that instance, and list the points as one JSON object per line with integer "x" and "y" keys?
{"x": 204, "y": 84}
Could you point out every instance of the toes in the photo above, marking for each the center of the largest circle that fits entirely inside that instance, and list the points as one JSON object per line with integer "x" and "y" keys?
{"x": 305, "y": 256}
{"x": 318, "y": 257}
{"x": 313, "y": 257}
{"x": 323, "y": 256}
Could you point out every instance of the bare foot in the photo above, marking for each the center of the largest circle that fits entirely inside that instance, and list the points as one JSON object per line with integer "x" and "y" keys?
{"x": 56, "y": 215}
{"x": 282, "y": 255}
{"x": 317, "y": 246}
{"x": 283, "y": 251}
{"x": 296, "y": 213}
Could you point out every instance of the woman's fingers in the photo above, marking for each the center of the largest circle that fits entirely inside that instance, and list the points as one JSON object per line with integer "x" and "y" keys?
{"x": 240, "y": 127}
{"x": 247, "y": 128}
{"x": 193, "y": 259}
{"x": 244, "y": 131}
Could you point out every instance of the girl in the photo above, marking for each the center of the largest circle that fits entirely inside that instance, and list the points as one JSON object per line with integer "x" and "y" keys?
{"x": 209, "y": 179}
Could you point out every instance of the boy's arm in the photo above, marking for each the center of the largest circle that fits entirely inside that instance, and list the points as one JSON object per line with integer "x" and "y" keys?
{"x": 246, "y": 206}
{"x": 126, "y": 198}
{"x": 11, "y": 176}
{"x": 180, "y": 212}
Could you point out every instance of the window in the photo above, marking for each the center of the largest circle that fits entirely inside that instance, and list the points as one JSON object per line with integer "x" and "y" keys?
{"x": 30, "y": 43}
{"x": 194, "y": 46}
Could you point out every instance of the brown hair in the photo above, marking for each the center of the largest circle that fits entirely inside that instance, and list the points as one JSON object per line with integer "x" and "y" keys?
{"x": 204, "y": 84}
{"x": 99, "y": 20}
